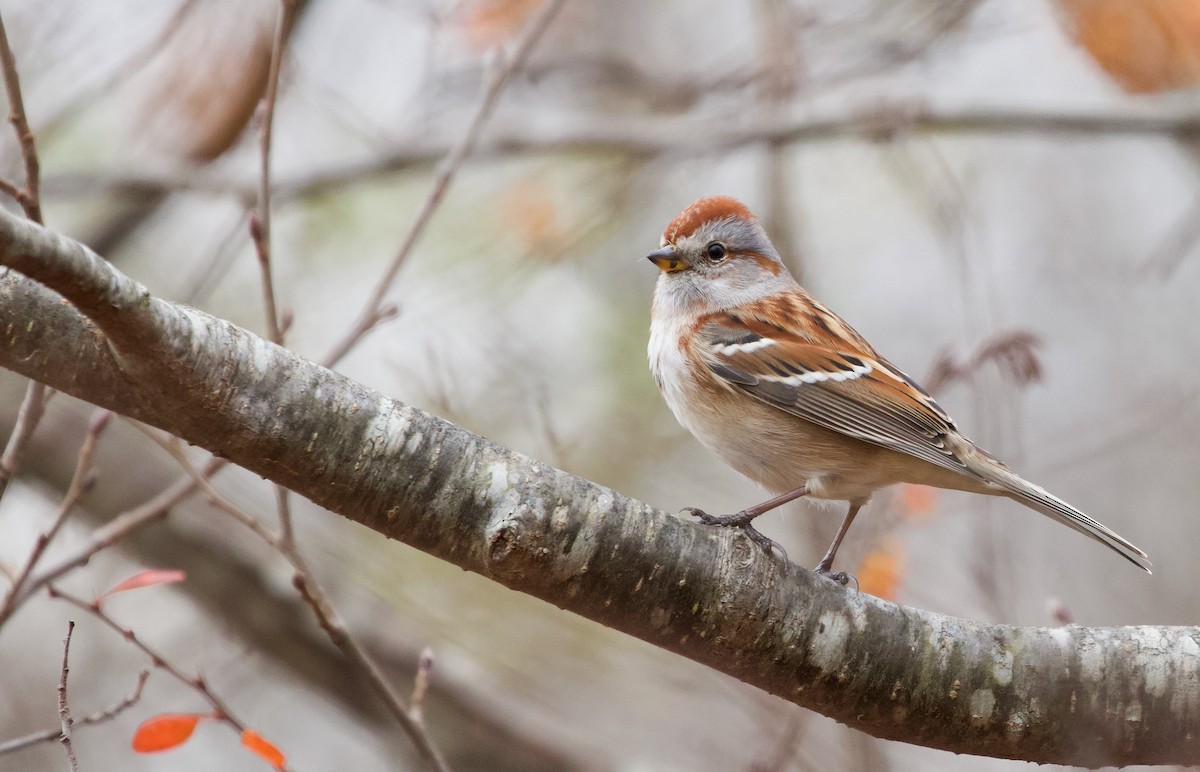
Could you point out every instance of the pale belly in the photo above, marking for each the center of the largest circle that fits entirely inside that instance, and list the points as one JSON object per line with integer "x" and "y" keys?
{"x": 779, "y": 451}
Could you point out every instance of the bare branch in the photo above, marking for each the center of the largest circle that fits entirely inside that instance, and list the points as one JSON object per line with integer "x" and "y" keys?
{"x": 416, "y": 703}
{"x": 32, "y": 408}
{"x": 198, "y": 684}
{"x": 120, "y": 527}
{"x": 260, "y": 224}
{"x": 1064, "y": 695}
{"x": 83, "y": 468}
{"x": 64, "y": 712}
{"x": 107, "y": 714}
{"x": 371, "y": 314}
{"x": 1013, "y": 351}
{"x": 676, "y": 137}
{"x": 30, "y": 199}
{"x": 29, "y": 196}
{"x": 316, "y": 599}
{"x": 333, "y": 625}
{"x": 10, "y": 189}
{"x": 173, "y": 447}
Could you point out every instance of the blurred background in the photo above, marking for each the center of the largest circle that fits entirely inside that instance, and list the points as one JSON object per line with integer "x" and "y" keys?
{"x": 1000, "y": 194}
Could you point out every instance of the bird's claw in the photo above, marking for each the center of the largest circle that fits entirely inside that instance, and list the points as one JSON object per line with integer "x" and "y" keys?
{"x": 841, "y": 577}
{"x": 740, "y": 520}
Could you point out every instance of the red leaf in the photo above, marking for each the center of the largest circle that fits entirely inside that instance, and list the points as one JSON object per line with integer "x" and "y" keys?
{"x": 147, "y": 578}
{"x": 255, "y": 742}
{"x": 164, "y": 731}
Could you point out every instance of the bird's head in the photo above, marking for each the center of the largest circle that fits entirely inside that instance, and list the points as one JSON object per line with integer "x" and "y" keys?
{"x": 716, "y": 255}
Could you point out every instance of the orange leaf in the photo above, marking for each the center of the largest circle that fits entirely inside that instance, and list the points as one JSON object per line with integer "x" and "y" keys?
{"x": 255, "y": 742}
{"x": 164, "y": 731}
{"x": 147, "y": 578}
{"x": 531, "y": 212}
{"x": 489, "y": 22}
{"x": 918, "y": 502}
{"x": 1146, "y": 45}
{"x": 880, "y": 571}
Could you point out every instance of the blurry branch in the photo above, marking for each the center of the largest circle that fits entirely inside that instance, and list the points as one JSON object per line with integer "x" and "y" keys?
{"x": 119, "y": 528}
{"x": 80, "y": 481}
{"x": 1090, "y": 696}
{"x": 416, "y": 702}
{"x": 194, "y": 119}
{"x": 318, "y": 601}
{"x": 135, "y": 59}
{"x": 29, "y": 197}
{"x": 410, "y": 719}
{"x": 374, "y": 311}
{"x": 659, "y": 137}
{"x": 1179, "y": 241}
{"x": 783, "y": 71}
{"x": 51, "y": 735}
{"x": 1013, "y": 351}
{"x": 260, "y": 234}
{"x": 260, "y": 222}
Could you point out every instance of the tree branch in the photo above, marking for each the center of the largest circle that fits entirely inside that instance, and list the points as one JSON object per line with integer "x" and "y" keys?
{"x": 676, "y": 137}
{"x": 1074, "y": 695}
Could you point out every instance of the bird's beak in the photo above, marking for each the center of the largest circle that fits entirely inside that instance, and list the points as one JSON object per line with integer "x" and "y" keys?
{"x": 667, "y": 260}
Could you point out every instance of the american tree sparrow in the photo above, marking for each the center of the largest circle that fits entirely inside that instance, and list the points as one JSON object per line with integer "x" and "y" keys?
{"x": 792, "y": 397}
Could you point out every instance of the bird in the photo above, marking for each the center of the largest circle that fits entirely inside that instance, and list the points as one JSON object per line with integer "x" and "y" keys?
{"x": 792, "y": 397}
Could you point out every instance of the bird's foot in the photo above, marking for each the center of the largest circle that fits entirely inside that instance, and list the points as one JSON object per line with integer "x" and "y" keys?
{"x": 740, "y": 520}
{"x": 841, "y": 577}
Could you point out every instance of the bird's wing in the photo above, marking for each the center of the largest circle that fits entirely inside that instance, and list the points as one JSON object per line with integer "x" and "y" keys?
{"x": 808, "y": 362}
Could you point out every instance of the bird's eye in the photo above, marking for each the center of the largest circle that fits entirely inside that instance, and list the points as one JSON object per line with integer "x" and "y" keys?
{"x": 716, "y": 251}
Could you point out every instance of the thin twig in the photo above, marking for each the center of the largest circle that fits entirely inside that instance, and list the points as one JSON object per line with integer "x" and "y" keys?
{"x": 32, "y": 408}
{"x": 338, "y": 633}
{"x": 677, "y": 137}
{"x": 283, "y": 508}
{"x": 447, "y": 170}
{"x": 318, "y": 601}
{"x": 100, "y": 716}
{"x": 260, "y": 223}
{"x": 10, "y": 189}
{"x": 121, "y": 527}
{"x": 64, "y": 712}
{"x": 1013, "y": 351}
{"x": 83, "y": 468}
{"x": 199, "y": 684}
{"x": 173, "y": 446}
{"x": 29, "y": 196}
{"x": 416, "y": 703}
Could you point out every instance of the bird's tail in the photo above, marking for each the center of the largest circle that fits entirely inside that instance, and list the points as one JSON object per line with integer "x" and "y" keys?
{"x": 1036, "y": 497}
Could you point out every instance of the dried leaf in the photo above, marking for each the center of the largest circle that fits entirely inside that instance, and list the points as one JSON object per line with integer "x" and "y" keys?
{"x": 255, "y": 742}
{"x": 1145, "y": 45}
{"x": 880, "y": 571}
{"x": 147, "y": 578}
{"x": 164, "y": 731}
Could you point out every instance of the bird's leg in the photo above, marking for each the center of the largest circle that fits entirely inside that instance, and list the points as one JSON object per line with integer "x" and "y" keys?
{"x": 824, "y": 568}
{"x": 742, "y": 519}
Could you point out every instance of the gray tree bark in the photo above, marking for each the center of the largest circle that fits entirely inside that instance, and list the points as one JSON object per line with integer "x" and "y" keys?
{"x": 1070, "y": 695}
